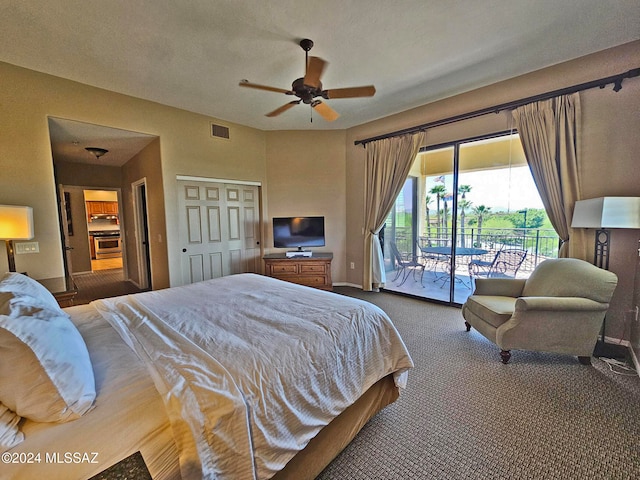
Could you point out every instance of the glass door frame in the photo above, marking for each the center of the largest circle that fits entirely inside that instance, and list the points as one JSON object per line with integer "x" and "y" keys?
{"x": 454, "y": 207}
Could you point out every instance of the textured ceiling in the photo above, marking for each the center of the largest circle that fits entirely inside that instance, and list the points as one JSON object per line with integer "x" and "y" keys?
{"x": 192, "y": 55}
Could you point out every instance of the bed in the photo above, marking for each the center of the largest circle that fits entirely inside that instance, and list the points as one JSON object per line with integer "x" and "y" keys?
{"x": 243, "y": 377}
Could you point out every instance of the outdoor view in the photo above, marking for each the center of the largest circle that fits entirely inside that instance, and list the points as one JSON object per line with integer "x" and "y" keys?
{"x": 437, "y": 239}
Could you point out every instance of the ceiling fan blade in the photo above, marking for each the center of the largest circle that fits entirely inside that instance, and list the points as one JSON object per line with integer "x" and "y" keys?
{"x": 315, "y": 67}
{"x": 328, "y": 113}
{"x": 245, "y": 83}
{"x": 283, "y": 108}
{"x": 351, "y": 92}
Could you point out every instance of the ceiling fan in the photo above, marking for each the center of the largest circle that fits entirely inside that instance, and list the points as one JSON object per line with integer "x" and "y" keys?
{"x": 309, "y": 87}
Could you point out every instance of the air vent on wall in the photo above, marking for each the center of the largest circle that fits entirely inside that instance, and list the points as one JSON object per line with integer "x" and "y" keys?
{"x": 219, "y": 131}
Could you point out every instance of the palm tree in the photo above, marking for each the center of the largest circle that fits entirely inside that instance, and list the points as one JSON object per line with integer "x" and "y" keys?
{"x": 462, "y": 205}
{"x": 438, "y": 191}
{"x": 445, "y": 215}
{"x": 481, "y": 211}
{"x": 463, "y": 190}
{"x": 427, "y": 200}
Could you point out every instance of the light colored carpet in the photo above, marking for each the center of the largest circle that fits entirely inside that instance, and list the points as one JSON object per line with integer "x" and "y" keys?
{"x": 465, "y": 415}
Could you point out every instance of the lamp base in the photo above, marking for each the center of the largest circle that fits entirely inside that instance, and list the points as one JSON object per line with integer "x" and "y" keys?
{"x": 10, "y": 258}
{"x": 610, "y": 350}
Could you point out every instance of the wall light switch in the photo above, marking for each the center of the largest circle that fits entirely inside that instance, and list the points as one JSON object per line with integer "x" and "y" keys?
{"x": 26, "y": 247}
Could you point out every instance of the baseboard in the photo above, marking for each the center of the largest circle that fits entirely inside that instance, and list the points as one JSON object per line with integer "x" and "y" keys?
{"x": 636, "y": 361}
{"x": 347, "y": 284}
{"x": 617, "y": 341}
{"x": 618, "y": 349}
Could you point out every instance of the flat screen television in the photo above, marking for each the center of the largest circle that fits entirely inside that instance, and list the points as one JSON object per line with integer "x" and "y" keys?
{"x": 298, "y": 232}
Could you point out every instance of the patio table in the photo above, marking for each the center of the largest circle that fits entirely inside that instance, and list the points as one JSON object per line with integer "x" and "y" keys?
{"x": 459, "y": 252}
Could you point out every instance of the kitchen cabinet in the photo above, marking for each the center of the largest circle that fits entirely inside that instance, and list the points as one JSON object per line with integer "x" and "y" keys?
{"x": 110, "y": 208}
{"x": 92, "y": 247}
{"x": 101, "y": 208}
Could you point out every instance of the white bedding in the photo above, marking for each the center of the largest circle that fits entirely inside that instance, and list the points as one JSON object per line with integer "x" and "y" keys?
{"x": 268, "y": 362}
{"x": 129, "y": 416}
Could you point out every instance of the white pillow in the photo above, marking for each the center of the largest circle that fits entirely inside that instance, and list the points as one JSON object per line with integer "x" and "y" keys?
{"x": 45, "y": 369}
{"x": 10, "y": 434}
{"x": 28, "y": 291}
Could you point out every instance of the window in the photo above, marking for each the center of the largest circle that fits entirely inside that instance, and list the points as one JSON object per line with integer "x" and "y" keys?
{"x": 473, "y": 198}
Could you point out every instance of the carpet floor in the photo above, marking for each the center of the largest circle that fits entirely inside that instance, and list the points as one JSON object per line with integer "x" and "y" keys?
{"x": 465, "y": 415}
{"x": 102, "y": 284}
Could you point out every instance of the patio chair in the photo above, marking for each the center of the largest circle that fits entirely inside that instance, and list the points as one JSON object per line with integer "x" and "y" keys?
{"x": 505, "y": 264}
{"x": 406, "y": 265}
{"x": 432, "y": 261}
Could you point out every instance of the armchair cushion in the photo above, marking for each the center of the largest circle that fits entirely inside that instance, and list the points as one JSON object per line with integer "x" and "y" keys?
{"x": 569, "y": 277}
{"x": 507, "y": 287}
{"x": 557, "y": 304}
{"x": 495, "y": 310}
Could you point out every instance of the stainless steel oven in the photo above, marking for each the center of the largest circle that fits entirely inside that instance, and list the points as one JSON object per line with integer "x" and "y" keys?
{"x": 108, "y": 246}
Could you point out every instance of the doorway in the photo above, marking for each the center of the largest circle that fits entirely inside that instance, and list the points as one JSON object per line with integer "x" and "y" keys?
{"x": 141, "y": 222}
{"x": 90, "y": 225}
{"x": 465, "y": 203}
{"x": 121, "y": 154}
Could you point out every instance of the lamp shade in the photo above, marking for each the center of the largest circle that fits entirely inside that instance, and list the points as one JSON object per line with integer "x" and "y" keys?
{"x": 607, "y": 212}
{"x": 16, "y": 222}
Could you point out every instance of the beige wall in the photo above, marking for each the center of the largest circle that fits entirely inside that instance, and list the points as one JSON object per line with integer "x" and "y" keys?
{"x": 146, "y": 165}
{"x": 306, "y": 177}
{"x": 27, "y": 98}
{"x": 610, "y": 143}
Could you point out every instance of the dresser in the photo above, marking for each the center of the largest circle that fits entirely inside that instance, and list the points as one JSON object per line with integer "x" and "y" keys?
{"x": 314, "y": 271}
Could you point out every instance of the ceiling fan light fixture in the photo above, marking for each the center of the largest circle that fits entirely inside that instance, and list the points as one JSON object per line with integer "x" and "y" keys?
{"x": 96, "y": 151}
{"x": 309, "y": 87}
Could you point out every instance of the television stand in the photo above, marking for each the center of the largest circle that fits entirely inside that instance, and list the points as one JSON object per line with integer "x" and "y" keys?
{"x": 314, "y": 271}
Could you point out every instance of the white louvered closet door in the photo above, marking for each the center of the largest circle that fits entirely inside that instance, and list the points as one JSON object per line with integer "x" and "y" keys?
{"x": 219, "y": 229}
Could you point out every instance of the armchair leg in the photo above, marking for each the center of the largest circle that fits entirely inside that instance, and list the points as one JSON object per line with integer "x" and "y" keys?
{"x": 505, "y": 355}
{"x": 468, "y": 325}
{"x": 585, "y": 360}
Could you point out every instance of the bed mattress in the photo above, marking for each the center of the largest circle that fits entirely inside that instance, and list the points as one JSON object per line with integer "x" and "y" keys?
{"x": 179, "y": 372}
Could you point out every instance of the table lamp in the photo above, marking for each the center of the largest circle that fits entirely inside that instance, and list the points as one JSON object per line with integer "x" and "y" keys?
{"x": 604, "y": 213}
{"x": 16, "y": 223}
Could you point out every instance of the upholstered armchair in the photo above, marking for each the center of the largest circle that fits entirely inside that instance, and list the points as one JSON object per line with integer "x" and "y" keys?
{"x": 559, "y": 308}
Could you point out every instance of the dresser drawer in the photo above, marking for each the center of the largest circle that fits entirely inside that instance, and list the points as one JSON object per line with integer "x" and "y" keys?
{"x": 278, "y": 268}
{"x": 313, "y": 268}
{"x": 309, "y": 280}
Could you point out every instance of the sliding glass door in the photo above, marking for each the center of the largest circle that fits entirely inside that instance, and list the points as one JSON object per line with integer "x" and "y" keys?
{"x": 463, "y": 204}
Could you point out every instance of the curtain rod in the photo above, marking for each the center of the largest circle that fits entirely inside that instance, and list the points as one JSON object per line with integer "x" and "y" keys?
{"x": 601, "y": 83}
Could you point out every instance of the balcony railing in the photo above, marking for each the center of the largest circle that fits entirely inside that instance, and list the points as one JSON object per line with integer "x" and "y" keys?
{"x": 540, "y": 244}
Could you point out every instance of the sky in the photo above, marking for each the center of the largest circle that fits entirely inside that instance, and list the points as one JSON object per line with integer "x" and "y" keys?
{"x": 503, "y": 190}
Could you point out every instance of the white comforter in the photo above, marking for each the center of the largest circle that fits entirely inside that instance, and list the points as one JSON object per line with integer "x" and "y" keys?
{"x": 251, "y": 368}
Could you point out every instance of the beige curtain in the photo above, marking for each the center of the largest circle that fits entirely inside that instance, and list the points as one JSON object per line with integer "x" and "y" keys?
{"x": 550, "y": 135}
{"x": 387, "y": 167}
